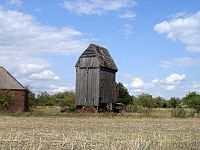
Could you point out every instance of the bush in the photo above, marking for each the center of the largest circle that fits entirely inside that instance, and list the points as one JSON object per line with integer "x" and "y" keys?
{"x": 146, "y": 101}
{"x": 174, "y": 102}
{"x": 66, "y": 99}
{"x": 32, "y": 101}
{"x": 179, "y": 112}
{"x": 5, "y": 96}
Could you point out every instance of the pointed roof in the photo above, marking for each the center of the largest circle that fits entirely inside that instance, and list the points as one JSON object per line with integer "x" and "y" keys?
{"x": 102, "y": 54}
{"x": 7, "y": 81}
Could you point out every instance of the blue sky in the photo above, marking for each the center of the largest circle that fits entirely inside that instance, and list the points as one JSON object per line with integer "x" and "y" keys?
{"x": 154, "y": 43}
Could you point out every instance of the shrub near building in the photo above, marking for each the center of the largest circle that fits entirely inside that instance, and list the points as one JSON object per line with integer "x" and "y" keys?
{"x": 5, "y": 97}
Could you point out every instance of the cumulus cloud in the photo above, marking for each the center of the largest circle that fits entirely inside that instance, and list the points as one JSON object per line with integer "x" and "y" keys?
{"x": 96, "y": 7}
{"x": 45, "y": 75}
{"x": 138, "y": 83}
{"x": 154, "y": 81}
{"x": 57, "y": 89}
{"x": 25, "y": 43}
{"x": 22, "y": 33}
{"x": 169, "y": 83}
{"x": 170, "y": 87}
{"x": 173, "y": 80}
{"x": 182, "y": 61}
{"x": 183, "y": 28}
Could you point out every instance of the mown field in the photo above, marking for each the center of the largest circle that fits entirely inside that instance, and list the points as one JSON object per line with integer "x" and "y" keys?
{"x": 98, "y": 132}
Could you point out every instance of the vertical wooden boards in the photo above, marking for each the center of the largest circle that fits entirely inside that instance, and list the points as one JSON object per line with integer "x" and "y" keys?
{"x": 107, "y": 86}
{"x": 87, "y": 86}
{"x": 87, "y": 82}
{"x": 95, "y": 77}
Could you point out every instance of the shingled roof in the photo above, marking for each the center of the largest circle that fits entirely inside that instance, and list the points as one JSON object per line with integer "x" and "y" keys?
{"x": 102, "y": 54}
{"x": 7, "y": 81}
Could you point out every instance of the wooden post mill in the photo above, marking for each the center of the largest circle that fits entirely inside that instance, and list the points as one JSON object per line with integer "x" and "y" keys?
{"x": 95, "y": 79}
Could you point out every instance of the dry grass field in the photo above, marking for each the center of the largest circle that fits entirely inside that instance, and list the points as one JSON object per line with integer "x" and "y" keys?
{"x": 60, "y": 133}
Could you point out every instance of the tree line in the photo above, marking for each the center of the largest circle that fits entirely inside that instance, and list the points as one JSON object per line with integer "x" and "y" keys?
{"x": 147, "y": 101}
{"x": 191, "y": 100}
{"x": 63, "y": 99}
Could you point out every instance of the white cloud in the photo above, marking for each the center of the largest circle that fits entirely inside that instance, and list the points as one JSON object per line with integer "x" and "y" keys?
{"x": 128, "y": 15}
{"x": 171, "y": 82}
{"x": 185, "y": 28}
{"x": 25, "y": 44}
{"x": 155, "y": 81}
{"x": 15, "y": 2}
{"x": 170, "y": 87}
{"x": 22, "y": 33}
{"x": 31, "y": 67}
{"x": 182, "y": 61}
{"x": 45, "y": 75}
{"x": 128, "y": 30}
{"x": 174, "y": 78}
{"x": 57, "y": 89}
{"x": 138, "y": 83}
{"x": 96, "y": 7}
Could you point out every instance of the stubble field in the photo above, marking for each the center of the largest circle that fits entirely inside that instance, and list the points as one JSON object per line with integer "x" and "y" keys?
{"x": 59, "y": 133}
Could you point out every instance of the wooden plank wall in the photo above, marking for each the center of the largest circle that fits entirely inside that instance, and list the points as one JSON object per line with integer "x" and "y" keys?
{"x": 108, "y": 89}
{"x": 94, "y": 84}
{"x": 87, "y": 82}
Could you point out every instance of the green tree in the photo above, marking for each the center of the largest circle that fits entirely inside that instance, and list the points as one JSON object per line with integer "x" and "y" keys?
{"x": 66, "y": 99}
{"x": 123, "y": 95}
{"x": 32, "y": 101}
{"x": 192, "y": 100}
{"x": 158, "y": 102}
{"x": 45, "y": 99}
{"x": 146, "y": 100}
{"x": 174, "y": 102}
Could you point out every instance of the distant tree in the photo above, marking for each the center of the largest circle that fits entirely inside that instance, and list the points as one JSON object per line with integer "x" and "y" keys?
{"x": 66, "y": 99}
{"x": 192, "y": 100}
{"x": 146, "y": 100}
{"x": 135, "y": 101}
{"x": 158, "y": 102}
{"x": 45, "y": 99}
{"x": 123, "y": 95}
{"x": 174, "y": 102}
{"x": 165, "y": 104}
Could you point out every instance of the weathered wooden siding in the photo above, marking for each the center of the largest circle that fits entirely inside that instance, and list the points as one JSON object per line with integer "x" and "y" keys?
{"x": 87, "y": 82}
{"x": 95, "y": 77}
{"x": 89, "y": 62}
{"x": 108, "y": 89}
